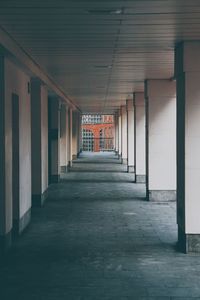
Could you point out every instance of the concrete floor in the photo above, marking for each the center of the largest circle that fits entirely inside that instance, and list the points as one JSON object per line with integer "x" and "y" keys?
{"x": 97, "y": 238}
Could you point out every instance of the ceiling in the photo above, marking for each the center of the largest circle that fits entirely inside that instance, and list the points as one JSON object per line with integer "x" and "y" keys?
{"x": 100, "y": 52}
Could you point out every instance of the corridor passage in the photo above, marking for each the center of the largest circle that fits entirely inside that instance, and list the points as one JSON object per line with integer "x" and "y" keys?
{"x": 98, "y": 238}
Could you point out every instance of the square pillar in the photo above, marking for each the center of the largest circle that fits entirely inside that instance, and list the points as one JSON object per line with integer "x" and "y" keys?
{"x": 54, "y": 140}
{"x": 63, "y": 138}
{"x": 160, "y": 98}
{"x": 124, "y": 134}
{"x": 120, "y": 135}
{"x": 39, "y": 142}
{"x": 140, "y": 142}
{"x": 75, "y": 135}
{"x": 187, "y": 72}
{"x": 116, "y": 120}
{"x": 79, "y": 135}
{"x": 5, "y": 165}
{"x": 15, "y": 151}
{"x": 70, "y": 125}
{"x": 130, "y": 136}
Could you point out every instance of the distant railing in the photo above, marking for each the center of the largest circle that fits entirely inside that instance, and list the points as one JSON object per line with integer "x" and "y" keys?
{"x": 97, "y": 144}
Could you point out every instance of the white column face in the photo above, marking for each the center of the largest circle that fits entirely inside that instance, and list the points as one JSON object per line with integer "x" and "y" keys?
{"x": 39, "y": 136}
{"x": 67, "y": 135}
{"x": 55, "y": 143}
{"x": 192, "y": 150}
{"x": 44, "y": 137}
{"x": 17, "y": 82}
{"x": 140, "y": 144}
{"x": 187, "y": 73}
{"x": 161, "y": 138}
{"x": 120, "y": 135}
{"x": 124, "y": 132}
{"x": 63, "y": 138}
{"x": 74, "y": 134}
{"x": 6, "y": 198}
{"x": 188, "y": 139}
{"x": 117, "y": 132}
{"x": 131, "y": 133}
{"x": 70, "y": 133}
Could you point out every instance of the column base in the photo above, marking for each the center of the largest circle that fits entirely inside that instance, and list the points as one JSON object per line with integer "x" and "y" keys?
{"x": 124, "y": 161}
{"x": 20, "y": 225}
{"x": 188, "y": 243}
{"x": 55, "y": 178}
{"x": 140, "y": 178}
{"x": 161, "y": 195}
{"x": 39, "y": 200}
{"x": 63, "y": 169}
{"x": 131, "y": 169}
{"x": 5, "y": 242}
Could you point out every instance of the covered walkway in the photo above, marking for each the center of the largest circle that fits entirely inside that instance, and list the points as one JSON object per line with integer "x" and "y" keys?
{"x": 99, "y": 239}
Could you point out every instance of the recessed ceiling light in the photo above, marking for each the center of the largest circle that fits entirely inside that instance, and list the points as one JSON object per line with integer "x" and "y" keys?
{"x": 105, "y": 11}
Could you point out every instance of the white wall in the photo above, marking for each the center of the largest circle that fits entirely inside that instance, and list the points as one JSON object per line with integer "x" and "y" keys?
{"x": 140, "y": 158}
{"x": 161, "y": 101}
{"x": 16, "y": 82}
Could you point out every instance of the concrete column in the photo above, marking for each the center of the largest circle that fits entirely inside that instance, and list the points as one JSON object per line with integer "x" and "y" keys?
{"x": 120, "y": 135}
{"x": 63, "y": 138}
{"x": 187, "y": 72}
{"x": 15, "y": 151}
{"x": 124, "y": 134}
{"x": 67, "y": 137}
{"x": 75, "y": 135}
{"x": 5, "y": 166}
{"x": 79, "y": 133}
{"x": 70, "y": 125}
{"x": 116, "y": 120}
{"x": 140, "y": 145}
{"x": 39, "y": 142}
{"x": 160, "y": 98}
{"x": 54, "y": 140}
{"x": 130, "y": 136}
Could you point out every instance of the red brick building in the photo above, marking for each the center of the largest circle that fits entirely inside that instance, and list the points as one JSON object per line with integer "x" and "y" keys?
{"x": 97, "y": 133}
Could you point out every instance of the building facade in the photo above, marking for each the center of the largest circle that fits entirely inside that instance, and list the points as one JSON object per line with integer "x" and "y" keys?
{"x": 97, "y": 133}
